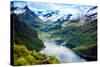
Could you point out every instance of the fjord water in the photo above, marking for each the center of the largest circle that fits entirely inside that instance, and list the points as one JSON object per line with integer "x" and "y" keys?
{"x": 63, "y": 53}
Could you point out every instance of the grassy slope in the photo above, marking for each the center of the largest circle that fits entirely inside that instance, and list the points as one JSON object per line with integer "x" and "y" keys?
{"x": 83, "y": 39}
{"x": 80, "y": 38}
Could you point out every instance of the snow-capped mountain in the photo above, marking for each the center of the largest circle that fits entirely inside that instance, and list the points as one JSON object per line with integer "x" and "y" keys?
{"x": 90, "y": 16}
{"x": 56, "y": 17}
{"x": 29, "y": 16}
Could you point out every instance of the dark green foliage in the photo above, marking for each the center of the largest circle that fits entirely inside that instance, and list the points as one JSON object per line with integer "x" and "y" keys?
{"x": 52, "y": 60}
{"x": 22, "y": 56}
{"x": 23, "y": 34}
{"x": 82, "y": 39}
{"x": 88, "y": 48}
{"x": 86, "y": 35}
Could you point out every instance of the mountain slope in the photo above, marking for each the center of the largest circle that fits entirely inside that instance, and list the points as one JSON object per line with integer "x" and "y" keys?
{"x": 80, "y": 37}
{"x": 29, "y": 16}
{"x": 23, "y": 56}
{"x": 23, "y": 34}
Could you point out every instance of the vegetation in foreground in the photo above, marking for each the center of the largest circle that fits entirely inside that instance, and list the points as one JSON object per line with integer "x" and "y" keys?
{"x": 22, "y": 56}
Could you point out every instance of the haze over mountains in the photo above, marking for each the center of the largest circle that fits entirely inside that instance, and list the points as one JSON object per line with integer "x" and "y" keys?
{"x": 55, "y": 14}
{"x": 71, "y": 26}
{"x": 54, "y": 11}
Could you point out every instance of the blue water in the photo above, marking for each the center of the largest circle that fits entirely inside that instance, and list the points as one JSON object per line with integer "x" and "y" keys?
{"x": 62, "y": 53}
{"x": 59, "y": 41}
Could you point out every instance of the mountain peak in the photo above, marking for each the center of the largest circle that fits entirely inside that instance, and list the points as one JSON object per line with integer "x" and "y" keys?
{"x": 26, "y": 7}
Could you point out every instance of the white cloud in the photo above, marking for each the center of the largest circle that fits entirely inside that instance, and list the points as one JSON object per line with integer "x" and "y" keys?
{"x": 83, "y": 2}
{"x": 69, "y": 11}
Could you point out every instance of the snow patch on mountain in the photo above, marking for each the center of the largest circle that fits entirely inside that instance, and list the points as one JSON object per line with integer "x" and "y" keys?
{"x": 19, "y": 11}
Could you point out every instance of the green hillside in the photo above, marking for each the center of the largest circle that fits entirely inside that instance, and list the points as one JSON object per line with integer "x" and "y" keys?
{"x": 80, "y": 38}
{"x": 23, "y": 34}
{"x": 22, "y": 56}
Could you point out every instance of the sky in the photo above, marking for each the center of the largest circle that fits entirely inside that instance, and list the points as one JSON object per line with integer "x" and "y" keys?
{"x": 74, "y": 9}
{"x": 84, "y": 2}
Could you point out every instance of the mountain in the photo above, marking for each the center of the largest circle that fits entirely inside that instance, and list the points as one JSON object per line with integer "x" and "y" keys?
{"x": 93, "y": 8}
{"x": 74, "y": 20}
{"x": 79, "y": 36}
{"x": 48, "y": 14}
{"x": 63, "y": 19}
{"x": 87, "y": 43}
{"x": 30, "y": 17}
{"x": 91, "y": 14}
{"x": 24, "y": 34}
{"x": 77, "y": 33}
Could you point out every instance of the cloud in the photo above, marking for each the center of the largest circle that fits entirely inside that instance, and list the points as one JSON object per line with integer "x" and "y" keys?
{"x": 62, "y": 8}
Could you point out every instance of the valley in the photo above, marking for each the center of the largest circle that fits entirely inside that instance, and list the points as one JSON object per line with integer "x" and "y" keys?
{"x": 54, "y": 35}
